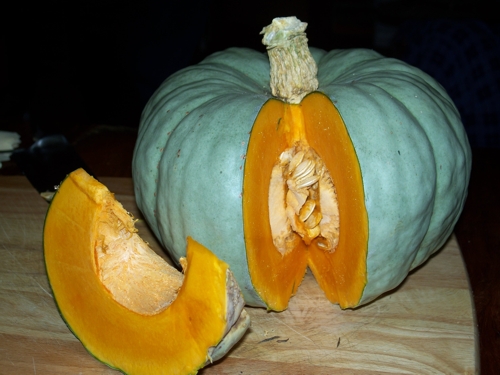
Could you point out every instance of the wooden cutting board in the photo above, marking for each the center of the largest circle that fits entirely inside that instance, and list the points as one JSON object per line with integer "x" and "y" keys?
{"x": 426, "y": 326}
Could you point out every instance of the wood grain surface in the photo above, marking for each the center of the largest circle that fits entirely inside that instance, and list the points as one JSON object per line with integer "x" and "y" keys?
{"x": 426, "y": 326}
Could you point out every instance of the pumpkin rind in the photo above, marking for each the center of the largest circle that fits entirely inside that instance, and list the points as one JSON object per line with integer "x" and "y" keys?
{"x": 193, "y": 142}
{"x": 199, "y": 326}
{"x": 414, "y": 156}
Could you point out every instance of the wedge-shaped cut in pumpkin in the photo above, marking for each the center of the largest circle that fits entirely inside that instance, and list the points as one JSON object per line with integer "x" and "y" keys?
{"x": 128, "y": 307}
{"x": 315, "y": 192}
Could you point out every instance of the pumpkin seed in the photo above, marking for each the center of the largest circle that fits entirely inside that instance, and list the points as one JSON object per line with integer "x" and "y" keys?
{"x": 306, "y": 210}
{"x": 313, "y": 233}
{"x": 303, "y": 169}
{"x": 307, "y": 181}
{"x": 310, "y": 202}
{"x": 296, "y": 160}
{"x": 313, "y": 220}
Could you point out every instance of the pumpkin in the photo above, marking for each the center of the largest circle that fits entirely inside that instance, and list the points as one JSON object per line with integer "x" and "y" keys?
{"x": 345, "y": 162}
{"x": 126, "y": 304}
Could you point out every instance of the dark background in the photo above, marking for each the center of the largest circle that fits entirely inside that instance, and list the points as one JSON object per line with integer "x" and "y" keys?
{"x": 70, "y": 64}
{"x": 86, "y": 69}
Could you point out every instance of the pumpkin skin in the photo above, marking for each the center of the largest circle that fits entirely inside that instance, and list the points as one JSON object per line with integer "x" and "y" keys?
{"x": 192, "y": 159}
{"x": 199, "y": 326}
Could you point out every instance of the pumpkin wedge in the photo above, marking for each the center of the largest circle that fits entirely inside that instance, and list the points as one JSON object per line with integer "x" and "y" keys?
{"x": 348, "y": 163}
{"x": 126, "y": 304}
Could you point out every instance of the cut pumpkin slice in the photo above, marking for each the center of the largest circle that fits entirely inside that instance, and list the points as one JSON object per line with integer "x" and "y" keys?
{"x": 128, "y": 307}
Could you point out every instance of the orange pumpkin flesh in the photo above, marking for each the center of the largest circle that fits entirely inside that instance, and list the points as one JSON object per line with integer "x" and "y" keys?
{"x": 174, "y": 339}
{"x": 340, "y": 273}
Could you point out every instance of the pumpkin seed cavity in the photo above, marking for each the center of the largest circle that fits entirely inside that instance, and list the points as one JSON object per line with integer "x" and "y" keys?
{"x": 302, "y": 201}
{"x": 136, "y": 277}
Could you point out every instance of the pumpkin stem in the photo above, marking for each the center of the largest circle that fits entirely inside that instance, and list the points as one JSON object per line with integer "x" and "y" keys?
{"x": 293, "y": 69}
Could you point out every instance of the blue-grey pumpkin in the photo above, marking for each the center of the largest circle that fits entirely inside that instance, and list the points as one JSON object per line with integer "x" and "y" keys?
{"x": 213, "y": 155}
